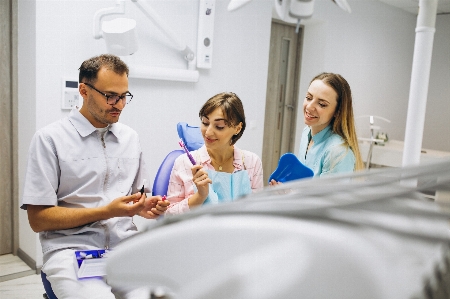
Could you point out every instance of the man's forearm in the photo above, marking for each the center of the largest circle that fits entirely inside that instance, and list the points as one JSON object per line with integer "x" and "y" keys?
{"x": 45, "y": 218}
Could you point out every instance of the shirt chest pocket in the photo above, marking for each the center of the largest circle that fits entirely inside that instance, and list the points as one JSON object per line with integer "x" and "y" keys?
{"x": 81, "y": 170}
{"x": 125, "y": 173}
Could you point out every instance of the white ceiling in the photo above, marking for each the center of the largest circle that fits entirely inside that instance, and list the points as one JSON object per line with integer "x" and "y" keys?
{"x": 412, "y": 6}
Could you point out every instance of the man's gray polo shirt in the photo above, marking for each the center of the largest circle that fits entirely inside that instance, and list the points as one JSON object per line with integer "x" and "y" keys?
{"x": 71, "y": 164}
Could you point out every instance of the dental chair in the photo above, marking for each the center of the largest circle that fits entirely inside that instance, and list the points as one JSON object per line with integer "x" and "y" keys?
{"x": 357, "y": 235}
{"x": 192, "y": 138}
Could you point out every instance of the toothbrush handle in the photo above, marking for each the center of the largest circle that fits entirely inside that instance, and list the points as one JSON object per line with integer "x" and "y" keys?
{"x": 187, "y": 153}
{"x": 190, "y": 158}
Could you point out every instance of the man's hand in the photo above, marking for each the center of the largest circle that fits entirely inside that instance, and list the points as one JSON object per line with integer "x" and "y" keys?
{"x": 154, "y": 207}
{"x": 126, "y": 205}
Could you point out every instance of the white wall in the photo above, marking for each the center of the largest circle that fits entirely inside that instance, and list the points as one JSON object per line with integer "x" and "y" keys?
{"x": 437, "y": 119}
{"x": 64, "y": 34}
{"x": 372, "y": 47}
{"x": 64, "y": 39}
{"x": 28, "y": 240}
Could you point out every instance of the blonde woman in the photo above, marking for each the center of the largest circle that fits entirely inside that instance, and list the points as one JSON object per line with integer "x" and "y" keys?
{"x": 329, "y": 143}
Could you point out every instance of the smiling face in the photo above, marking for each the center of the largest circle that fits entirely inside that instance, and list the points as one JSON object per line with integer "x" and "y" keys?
{"x": 95, "y": 109}
{"x": 216, "y": 130}
{"x": 319, "y": 106}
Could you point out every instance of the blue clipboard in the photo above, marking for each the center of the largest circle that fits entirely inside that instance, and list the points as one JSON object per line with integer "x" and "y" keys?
{"x": 289, "y": 169}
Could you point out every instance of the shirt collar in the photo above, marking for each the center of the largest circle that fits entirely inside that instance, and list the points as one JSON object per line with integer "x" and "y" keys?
{"x": 84, "y": 127}
{"x": 322, "y": 135}
{"x": 237, "y": 162}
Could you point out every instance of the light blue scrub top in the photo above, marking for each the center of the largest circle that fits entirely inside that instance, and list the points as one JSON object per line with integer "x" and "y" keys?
{"x": 328, "y": 153}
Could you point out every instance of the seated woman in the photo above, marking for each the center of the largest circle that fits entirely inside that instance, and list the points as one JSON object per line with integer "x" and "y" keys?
{"x": 329, "y": 143}
{"x": 223, "y": 172}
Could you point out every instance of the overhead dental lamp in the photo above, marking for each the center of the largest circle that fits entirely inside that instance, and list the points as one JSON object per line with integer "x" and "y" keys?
{"x": 291, "y": 11}
{"x": 120, "y": 36}
{"x": 121, "y": 39}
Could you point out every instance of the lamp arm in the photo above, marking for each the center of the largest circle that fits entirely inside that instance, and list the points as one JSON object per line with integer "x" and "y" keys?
{"x": 99, "y": 14}
{"x": 159, "y": 22}
{"x": 235, "y": 4}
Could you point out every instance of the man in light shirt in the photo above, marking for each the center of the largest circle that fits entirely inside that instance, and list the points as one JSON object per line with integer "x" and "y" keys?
{"x": 84, "y": 178}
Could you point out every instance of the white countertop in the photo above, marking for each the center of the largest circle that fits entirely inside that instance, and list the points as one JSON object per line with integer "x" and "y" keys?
{"x": 391, "y": 153}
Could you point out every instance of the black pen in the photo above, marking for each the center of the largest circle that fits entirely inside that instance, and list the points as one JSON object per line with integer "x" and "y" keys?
{"x": 142, "y": 190}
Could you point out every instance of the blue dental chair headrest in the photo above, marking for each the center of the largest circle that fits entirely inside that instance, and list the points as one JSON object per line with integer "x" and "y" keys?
{"x": 191, "y": 136}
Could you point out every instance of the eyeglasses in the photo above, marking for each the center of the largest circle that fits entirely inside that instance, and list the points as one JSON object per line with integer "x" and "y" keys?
{"x": 113, "y": 99}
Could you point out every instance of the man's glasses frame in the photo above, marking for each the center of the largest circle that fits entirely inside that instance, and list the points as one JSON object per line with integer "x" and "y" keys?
{"x": 113, "y": 99}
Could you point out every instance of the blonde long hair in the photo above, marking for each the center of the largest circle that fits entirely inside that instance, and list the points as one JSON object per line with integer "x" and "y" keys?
{"x": 343, "y": 122}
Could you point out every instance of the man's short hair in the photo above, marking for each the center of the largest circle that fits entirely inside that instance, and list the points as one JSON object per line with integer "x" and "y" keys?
{"x": 90, "y": 67}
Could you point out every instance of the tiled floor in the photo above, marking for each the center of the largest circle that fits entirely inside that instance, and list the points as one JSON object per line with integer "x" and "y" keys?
{"x": 12, "y": 267}
{"x": 28, "y": 287}
{"x": 17, "y": 280}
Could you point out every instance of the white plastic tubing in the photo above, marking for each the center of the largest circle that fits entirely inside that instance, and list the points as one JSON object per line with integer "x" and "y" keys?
{"x": 420, "y": 76}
